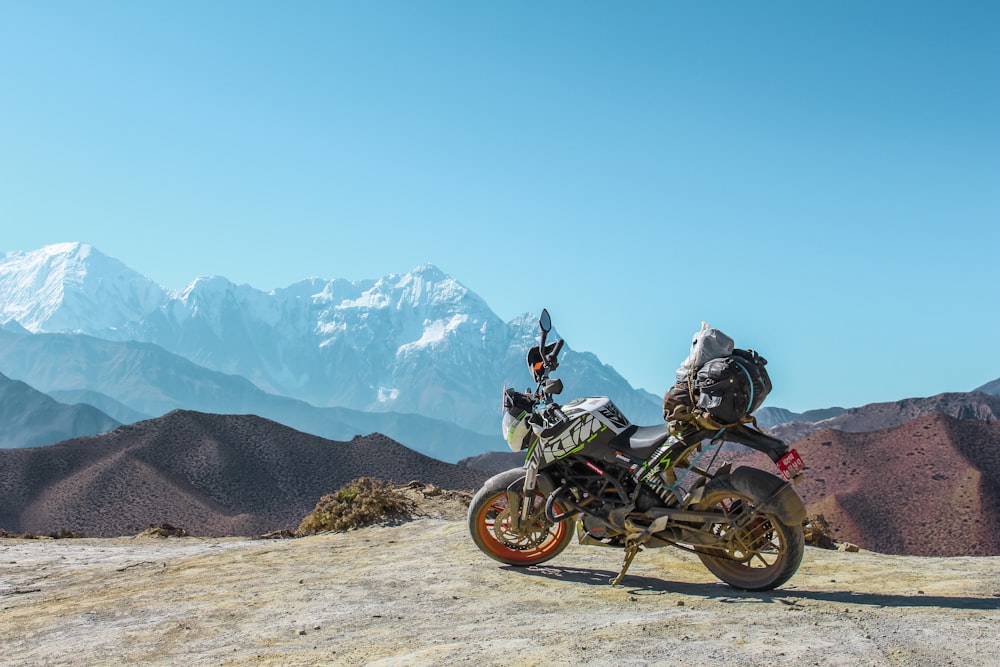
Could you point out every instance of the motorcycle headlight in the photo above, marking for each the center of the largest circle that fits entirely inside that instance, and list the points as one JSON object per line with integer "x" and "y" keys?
{"x": 515, "y": 430}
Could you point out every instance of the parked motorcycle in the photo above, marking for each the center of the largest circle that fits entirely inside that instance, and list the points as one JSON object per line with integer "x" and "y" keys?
{"x": 589, "y": 470}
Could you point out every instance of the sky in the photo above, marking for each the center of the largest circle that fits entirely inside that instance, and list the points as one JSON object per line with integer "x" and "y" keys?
{"x": 819, "y": 180}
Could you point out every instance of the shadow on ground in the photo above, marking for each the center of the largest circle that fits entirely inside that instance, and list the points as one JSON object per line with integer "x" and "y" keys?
{"x": 639, "y": 585}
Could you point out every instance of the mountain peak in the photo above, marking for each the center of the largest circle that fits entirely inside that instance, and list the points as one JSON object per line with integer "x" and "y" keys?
{"x": 72, "y": 286}
{"x": 206, "y": 284}
{"x": 430, "y": 272}
{"x": 60, "y": 258}
{"x": 67, "y": 249}
{"x": 425, "y": 285}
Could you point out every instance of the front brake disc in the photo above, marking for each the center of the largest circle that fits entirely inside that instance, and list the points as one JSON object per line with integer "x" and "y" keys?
{"x": 514, "y": 539}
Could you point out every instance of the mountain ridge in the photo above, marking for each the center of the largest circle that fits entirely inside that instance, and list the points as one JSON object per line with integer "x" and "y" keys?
{"x": 32, "y": 419}
{"x": 150, "y": 380}
{"x": 419, "y": 343}
{"x": 210, "y": 474}
{"x": 876, "y": 416}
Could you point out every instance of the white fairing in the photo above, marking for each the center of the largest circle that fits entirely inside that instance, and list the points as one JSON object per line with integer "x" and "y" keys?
{"x": 601, "y": 408}
{"x": 590, "y": 419}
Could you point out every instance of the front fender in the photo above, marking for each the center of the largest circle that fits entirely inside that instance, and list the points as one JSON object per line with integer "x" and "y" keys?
{"x": 515, "y": 476}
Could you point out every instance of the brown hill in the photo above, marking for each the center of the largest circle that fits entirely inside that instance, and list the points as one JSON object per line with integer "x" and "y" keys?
{"x": 877, "y": 416}
{"x": 929, "y": 487}
{"x": 212, "y": 475}
{"x": 494, "y": 461}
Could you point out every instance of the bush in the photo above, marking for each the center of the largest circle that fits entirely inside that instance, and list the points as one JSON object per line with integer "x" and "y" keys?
{"x": 65, "y": 534}
{"x": 816, "y": 531}
{"x": 62, "y": 533}
{"x": 363, "y": 502}
{"x": 163, "y": 530}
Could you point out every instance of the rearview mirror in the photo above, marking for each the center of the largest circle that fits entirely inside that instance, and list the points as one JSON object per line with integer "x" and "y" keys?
{"x": 545, "y": 321}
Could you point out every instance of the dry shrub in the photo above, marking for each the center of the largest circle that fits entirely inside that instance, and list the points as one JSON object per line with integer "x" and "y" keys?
{"x": 66, "y": 534}
{"x": 163, "y": 530}
{"x": 817, "y": 533}
{"x": 17, "y": 536}
{"x": 62, "y": 533}
{"x": 363, "y": 502}
{"x": 283, "y": 534}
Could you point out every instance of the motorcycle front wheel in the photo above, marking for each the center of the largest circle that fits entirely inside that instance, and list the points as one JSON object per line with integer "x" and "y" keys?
{"x": 492, "y": 524}
{"x": 755, "y": 556}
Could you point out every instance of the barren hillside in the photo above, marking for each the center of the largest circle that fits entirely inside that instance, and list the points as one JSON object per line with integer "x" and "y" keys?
{"x": 929, "y": 487}
{"x": 212, "y": 475}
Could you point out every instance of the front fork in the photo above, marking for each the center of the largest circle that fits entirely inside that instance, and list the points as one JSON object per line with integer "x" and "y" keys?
{"x": 527, "y": 499}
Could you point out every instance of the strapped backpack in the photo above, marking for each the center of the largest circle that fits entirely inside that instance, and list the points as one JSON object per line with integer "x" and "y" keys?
{"x": 706, "y": 344}
{"x": 730, "y": 388}
{"x": 717, "y": 385}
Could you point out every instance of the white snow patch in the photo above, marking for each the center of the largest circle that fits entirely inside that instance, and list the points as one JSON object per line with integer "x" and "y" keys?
{"x": 434, "y": 333}
{"x": 386, "y": 394}
{"x": 330, "y": 329}
{"x": 369, "y": 299}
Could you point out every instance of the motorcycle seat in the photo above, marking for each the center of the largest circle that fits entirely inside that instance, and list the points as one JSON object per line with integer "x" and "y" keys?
{"x": 644, "y": 439}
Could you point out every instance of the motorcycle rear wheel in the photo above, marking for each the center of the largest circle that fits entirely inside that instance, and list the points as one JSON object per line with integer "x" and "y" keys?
{"x": 760, "y": 556}
{"x": 491, "y": 524}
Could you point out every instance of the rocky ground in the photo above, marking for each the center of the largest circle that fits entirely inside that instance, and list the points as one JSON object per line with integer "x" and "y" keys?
{"x": 420, "y": 593}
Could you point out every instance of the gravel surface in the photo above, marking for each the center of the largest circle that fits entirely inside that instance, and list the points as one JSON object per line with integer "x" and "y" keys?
{"x": 420, "y": 593}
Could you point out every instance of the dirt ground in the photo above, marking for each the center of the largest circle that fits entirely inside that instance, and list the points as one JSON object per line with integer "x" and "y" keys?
{"x": 420, "y": 593}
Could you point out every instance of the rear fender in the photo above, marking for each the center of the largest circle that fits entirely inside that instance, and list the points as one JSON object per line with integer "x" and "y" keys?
{"x": 770, "y": 494}
{"x": 744, "y": 435}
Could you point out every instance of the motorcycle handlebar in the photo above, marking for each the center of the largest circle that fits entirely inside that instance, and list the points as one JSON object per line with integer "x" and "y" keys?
{"x": 551, "y": 359}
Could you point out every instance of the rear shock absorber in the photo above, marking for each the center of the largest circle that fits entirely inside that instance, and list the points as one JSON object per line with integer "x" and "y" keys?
{"x": 656, "y": 485}
{"x": 651, "y": 472}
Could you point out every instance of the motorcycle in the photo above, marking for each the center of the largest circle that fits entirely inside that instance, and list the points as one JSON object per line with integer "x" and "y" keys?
{"x": 634, "y": 487}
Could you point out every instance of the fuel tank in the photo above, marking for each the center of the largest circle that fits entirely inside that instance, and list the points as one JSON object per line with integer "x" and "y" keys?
{"x": 592, "y": 423}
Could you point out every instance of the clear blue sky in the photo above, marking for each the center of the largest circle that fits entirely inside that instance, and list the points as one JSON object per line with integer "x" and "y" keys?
{"x": 821, "y": 180}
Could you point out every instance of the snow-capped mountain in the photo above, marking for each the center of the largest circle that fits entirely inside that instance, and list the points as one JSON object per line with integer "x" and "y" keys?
{"x": 72, "y": 286}
{"x": 419, "y": 342}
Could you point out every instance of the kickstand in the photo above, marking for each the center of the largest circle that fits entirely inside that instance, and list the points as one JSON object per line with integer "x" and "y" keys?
{"x": 631, "y": 549}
